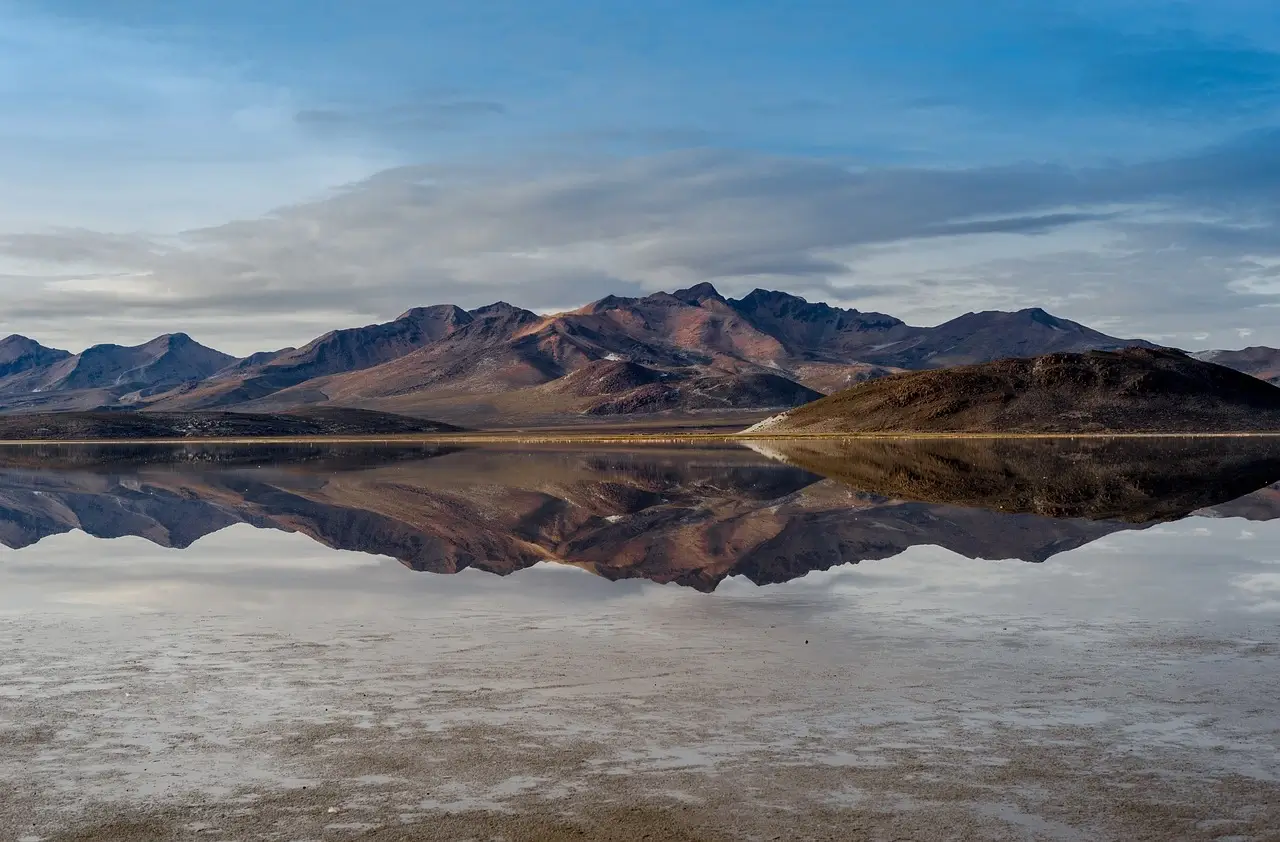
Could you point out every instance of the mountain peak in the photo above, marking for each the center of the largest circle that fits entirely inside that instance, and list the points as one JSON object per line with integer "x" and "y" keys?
{"x": 609, "y": 302}
{"x": 436, "y": 311}
{"x": 17, "y": 344}
{"x": 499, "y": 308}
{"x": 171, "y": 342}
{"x": 1028, "y": 314}
{"x": 20, "y": 353}
{"x": 760, "y": 296}
{"x": 697, "y": 294}
{"x": 1042, "y": 316}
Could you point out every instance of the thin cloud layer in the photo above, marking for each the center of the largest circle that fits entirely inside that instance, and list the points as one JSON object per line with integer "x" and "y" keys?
{"x": 919, "y": 159}
{"x": 1172, "y": 249}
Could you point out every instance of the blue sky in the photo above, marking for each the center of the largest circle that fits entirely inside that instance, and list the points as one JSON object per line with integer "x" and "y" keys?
{"x": 258, "y": 175}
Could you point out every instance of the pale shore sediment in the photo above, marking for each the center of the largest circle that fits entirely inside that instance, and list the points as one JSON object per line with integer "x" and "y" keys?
{"x": 670, "y": 717}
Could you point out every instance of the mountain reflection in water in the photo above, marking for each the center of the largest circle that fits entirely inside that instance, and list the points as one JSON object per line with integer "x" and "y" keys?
{"x": 769, "y": 512}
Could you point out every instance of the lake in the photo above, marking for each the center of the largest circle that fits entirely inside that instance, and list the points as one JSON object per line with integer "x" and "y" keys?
{"x": 1023, "y": 640}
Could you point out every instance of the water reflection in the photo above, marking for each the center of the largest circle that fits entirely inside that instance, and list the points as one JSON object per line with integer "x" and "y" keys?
{"x": 691, "y": 516}
{"x": 262, "y": 678}
{"x": 1144, "y": 480}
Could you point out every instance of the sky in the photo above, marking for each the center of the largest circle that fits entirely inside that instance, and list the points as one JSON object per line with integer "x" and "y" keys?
{"x": 255, "y": 174}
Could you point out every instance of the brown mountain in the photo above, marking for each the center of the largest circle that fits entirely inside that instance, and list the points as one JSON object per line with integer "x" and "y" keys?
{"x": 19, "y": 354}
{"x": 610, "y": 390}
{"x": 820, "y": 331}
{"x": 1260, "y": 361}
{"x": 106, "y": 374}
{"x": 994, "y": 335}
{"x": 715, "y": 356}
{"x": 352, "y": 349}
{"x": 1134, "y": 390}
{"x": 707, "y": 354}
{"x": 165, "y": 360}
{"x": 708, "y": 358}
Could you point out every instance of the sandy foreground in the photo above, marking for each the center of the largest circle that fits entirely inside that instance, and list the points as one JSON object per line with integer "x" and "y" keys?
{"x": 258, "y": 686}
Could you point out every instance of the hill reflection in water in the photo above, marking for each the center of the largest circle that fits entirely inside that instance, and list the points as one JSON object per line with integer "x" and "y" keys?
{"x": 691, "y": 516}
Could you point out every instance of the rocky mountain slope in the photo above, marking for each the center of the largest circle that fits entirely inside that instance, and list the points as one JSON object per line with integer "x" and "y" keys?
{"x": 1134, "y": 390}
{"x": 43, "y": 379}
{"x": 703, "y": 353}
{"x": 19, "y": 354}
{"x": 1260, "y": 361}
{"x": 708, "y": 354}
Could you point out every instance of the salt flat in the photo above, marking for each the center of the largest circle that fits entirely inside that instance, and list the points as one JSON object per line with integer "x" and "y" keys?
{"x": 261, "y": 686}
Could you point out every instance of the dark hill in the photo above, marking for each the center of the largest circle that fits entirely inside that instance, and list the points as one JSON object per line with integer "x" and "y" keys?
{"x": 1134, "y": 390}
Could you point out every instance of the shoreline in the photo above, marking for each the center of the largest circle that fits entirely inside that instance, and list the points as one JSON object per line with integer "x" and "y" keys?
{"x": 481, "y": 437}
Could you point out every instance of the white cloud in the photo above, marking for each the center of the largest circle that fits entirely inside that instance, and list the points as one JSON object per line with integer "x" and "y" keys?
{"x": 1155, "y": 249}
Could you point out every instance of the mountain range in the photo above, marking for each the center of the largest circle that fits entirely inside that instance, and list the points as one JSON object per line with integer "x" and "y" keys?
{"x": 689, "y": 352}
{"x": 1260, "y": 361}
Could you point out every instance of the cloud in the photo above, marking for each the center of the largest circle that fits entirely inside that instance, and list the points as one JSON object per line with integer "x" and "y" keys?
{"x": 421, "y": 116}
{"x": 1158, "y": 248}
{"x": 1032, "y": 224}
{"x": 81, "y": 246}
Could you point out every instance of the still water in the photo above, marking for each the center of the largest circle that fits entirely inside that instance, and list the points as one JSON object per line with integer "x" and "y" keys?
{"x": 876, "y": 640}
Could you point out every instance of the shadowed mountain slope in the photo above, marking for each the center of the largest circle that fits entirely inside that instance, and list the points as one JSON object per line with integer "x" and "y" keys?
{"x": 43, "y": 379}
{"x": 1260, "y": 361}
{"x": 19, "y": 354}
